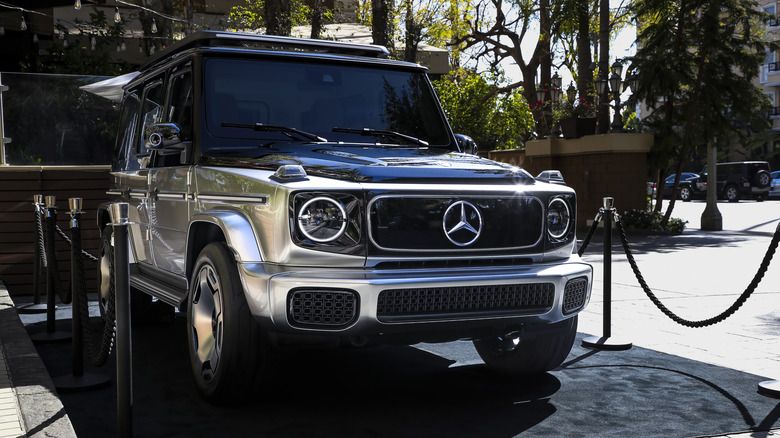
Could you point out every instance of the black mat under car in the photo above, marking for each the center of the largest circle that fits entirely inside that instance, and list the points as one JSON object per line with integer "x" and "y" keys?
{"x": 406, "y": 391}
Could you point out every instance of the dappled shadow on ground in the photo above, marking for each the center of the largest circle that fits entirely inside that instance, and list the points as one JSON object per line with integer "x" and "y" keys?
{"x": 664, "y": 244}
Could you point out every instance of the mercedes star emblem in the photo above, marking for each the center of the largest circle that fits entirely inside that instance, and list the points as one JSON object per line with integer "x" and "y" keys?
{"x": 462, "y": 223}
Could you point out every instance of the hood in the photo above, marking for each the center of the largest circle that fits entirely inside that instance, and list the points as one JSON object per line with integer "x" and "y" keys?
{"x": 373, "y": 163}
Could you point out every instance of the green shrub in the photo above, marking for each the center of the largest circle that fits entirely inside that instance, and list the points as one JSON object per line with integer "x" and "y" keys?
{"x": 650, "y": 220}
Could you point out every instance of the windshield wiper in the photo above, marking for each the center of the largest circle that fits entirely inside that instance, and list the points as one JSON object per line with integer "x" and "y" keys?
{"x": 286, "y": 130}
{"x": 381, "y": 133}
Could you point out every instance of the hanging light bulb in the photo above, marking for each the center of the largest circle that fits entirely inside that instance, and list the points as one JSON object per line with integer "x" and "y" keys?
{"x": 151, "y": 51}
{"x": 77, "y": 5}
{"x": 61, "y": 34}
{"x": 35, "y": 38}
{"x": 154, "y": 26}
{"x": 123, "y": 46}
{"x": 2, "y": 30}
{"x": 24, "y": 24}
{"x": 65, "y": 43}
{"x": 117, "y": 17}
{"x": 92, "y": 43}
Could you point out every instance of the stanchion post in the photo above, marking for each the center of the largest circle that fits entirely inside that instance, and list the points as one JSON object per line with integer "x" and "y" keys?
{"x": 36, "y": 306}
{"x": 77, "y": 380}
{"x": 124, "y": 364}
{"x": 52, "y": 276}
{"x": 607, "y": 342}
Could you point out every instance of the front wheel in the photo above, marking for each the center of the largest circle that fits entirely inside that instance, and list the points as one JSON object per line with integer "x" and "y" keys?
{"x": 225, "y": 344}
{"x": 685, "y": 194}
{"x": 529, "y": 355}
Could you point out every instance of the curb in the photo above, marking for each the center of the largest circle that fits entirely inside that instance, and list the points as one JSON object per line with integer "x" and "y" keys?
{"x": 41, "y": 410}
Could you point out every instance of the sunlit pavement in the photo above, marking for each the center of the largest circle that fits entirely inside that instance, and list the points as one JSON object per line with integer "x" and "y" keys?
{"x": 697, "y": 275}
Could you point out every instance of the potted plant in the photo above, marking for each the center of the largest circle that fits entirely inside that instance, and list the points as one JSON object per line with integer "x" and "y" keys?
{"x": 577, "y": 117}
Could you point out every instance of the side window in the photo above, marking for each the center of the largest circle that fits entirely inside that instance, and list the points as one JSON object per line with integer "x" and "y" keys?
{"x": 151, "y": 111}
{"x": 128, "y": 126}
{"x": 180, "y": 111}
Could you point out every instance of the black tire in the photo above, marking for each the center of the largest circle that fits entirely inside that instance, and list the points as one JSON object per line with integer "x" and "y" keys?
{"x": 533, "y": 355}
{"x": 761, "y": 198}
{"x": 228, "y": 354}
{"x": 685, "y": 194}
{"x": 762, "y": 179}
{"x": 731, "y": 193}
{"x": 140, "y": 303}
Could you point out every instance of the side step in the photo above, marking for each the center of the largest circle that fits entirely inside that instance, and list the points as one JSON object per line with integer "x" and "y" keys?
{"x": 167, "y": 293}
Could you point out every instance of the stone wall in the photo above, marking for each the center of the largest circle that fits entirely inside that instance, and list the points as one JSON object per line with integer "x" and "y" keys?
{"x": 595, "y": 166}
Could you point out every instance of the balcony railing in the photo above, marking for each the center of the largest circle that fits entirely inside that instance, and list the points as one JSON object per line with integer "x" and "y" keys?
{"x": 773, "y": 66}
{"x": 773, "y": 22}
{"x": 774, "y": 112}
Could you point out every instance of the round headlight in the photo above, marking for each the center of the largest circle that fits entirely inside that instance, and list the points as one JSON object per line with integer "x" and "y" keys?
{"x": 558, "y": 218}
{"x": 322, "y": 219}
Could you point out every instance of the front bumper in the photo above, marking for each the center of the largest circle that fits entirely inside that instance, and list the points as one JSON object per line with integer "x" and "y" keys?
{"x": 270, "y": 297}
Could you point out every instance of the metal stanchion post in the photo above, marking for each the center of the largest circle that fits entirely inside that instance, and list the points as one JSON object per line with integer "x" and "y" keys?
{"x": 36, "y": 306}
{"x": 77, "y": 380}
{"x": 124, "y": 355}
{"x": 607, "y": 342}
{"x": 51, "y": 334}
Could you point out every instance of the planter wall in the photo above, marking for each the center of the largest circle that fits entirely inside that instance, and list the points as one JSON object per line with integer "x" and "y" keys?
{"x": 578, "y": 127}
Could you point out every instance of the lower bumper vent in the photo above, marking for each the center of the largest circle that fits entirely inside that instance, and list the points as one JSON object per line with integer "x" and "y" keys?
{"x": 444, "y": 302}
{"x": 574, "y": 295}
{"x": 322, "y": 308}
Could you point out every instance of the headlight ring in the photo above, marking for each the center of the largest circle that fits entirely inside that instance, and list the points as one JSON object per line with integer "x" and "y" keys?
{"x": 558, "y": 218}
{"x": 322, "y": 219}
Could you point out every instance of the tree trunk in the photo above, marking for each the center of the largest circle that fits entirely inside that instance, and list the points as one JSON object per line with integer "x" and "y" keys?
{"x": 381, "y": 27}
{"x": 545, "y": 60}
{"x": 277, "y": 17}
{"x": 584, "y": 73}
{"x": 317, "y": 12}
{"x": 603, "y": 110}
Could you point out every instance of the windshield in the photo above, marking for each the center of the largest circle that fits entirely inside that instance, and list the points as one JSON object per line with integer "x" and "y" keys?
{"x": 315, "y": 98}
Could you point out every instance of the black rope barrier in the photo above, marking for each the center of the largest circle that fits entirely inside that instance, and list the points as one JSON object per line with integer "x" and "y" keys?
{"x": 97, "y": 356}
{"x": 710, "y": 321}
{"x": 68, "y": 241}
{"x": 592, "y": 230}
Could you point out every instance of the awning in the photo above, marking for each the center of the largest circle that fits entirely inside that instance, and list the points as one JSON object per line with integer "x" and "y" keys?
{"x": 111, "y": 88}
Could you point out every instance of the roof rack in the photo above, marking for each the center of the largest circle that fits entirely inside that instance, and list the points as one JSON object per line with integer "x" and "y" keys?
{"x": 210, "y": 38}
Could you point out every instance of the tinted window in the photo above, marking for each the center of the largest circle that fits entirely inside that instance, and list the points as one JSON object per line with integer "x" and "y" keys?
{"x": 316, "y": 98}
{"x": 181, "y": 103}
{"x": 151, "y": 112}
{"x": 128, "y": 126}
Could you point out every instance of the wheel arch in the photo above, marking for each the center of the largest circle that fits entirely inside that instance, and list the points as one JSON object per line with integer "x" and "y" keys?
{"x": 230, "y": 227}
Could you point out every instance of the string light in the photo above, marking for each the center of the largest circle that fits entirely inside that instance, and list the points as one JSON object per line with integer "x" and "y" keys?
{"x": 93, "y": 43}
{"x": 123, "y": 46}
{"x": 117, "y": 17}
{"x": 2, "y": 30}
{"x": 62, "y": 34}
{"x": 24, "y": 23}
{"x": 35, "y": 38}
{"x": 154, "y": 26}
{"x": 151, "y": 51}
{"x": 77, "y": 5}
{"x": 65, "y": 43}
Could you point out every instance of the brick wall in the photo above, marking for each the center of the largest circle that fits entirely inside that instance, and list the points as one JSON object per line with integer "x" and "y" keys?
{"x": 18, "y": 185}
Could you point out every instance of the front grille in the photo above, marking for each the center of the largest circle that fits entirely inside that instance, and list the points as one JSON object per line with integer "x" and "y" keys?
{"x": 445, "y": 302}
{"x": 574, "y": 294}
{"x": 322, "y": 308}
{"x": 457, "y": 263}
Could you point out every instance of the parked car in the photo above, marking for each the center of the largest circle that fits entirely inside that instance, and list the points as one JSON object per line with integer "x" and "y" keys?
{"x": 669, "y": 182}
{"x": 774, "y": 189}
{"x": 551, "y": 176}
{"x": 287, "y": 192}
{"x": 735, "y": 181}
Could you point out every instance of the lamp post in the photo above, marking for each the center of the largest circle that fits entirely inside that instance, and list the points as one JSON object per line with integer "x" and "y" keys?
{"x": 555, "y": 95}
{"x": 602, "y": 91}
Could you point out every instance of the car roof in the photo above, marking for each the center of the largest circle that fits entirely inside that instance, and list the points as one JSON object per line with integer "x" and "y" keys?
{"x": 209, "y": 38}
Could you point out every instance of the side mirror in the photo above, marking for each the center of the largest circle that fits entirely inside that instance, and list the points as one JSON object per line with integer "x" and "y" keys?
{"x": 466, "y": 144}
{"x": 165, "y": 138}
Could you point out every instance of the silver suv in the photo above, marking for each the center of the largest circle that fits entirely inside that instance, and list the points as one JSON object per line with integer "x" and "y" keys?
{"x": 291, "y": 192}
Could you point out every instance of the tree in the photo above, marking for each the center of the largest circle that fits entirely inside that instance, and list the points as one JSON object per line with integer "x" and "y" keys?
{"x": 382, "y": 22}
{"x": 278, "y": 17}
{"x": 494, "y": 121}
{"x": 697, "y": 60}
